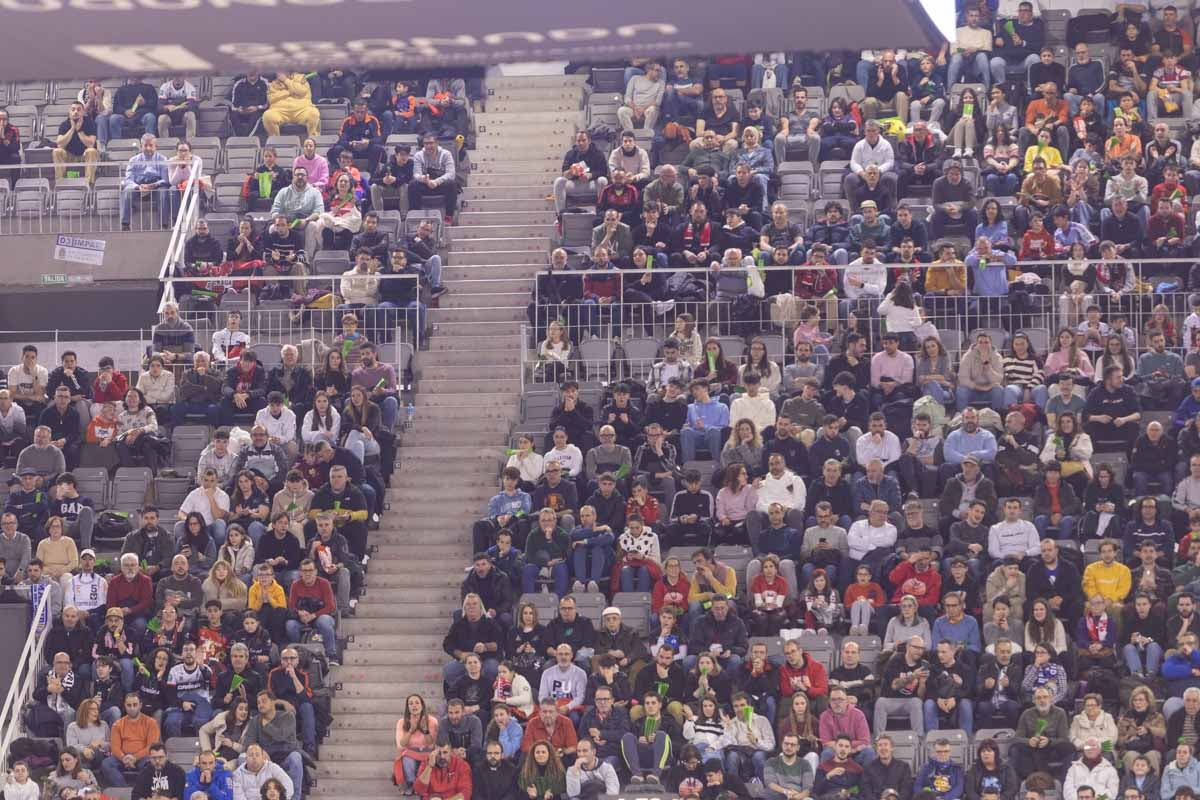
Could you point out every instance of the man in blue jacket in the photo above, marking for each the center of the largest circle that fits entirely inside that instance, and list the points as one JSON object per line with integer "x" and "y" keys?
{"x": 210, "y": 778}
{"x": 940, "y": 775}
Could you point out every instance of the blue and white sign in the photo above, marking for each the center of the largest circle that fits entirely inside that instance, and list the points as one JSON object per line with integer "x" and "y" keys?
{"x": 79, "y": 251}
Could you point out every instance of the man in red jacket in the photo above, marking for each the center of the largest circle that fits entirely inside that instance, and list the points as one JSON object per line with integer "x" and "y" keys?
{"x": 801, "y": 673}
{"x": 445, "y": 776}
{"x": 311, "y": 600}
{"x": 133, "y": 591}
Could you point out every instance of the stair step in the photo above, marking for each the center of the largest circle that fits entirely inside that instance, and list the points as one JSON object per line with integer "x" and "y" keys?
{"x": 360, "y": 789}
{"x": 388, "y": 579}
{"x": 481, "y": 357}
{"x": 467, "y": 342}
{"x": 503, "y": 230}
{"x": 508, "y": 217}
{"x": 470, "y": 384}
{"x": 347, "y": 723}
{"x": 501, "y": 370}
{"x": 383, "y": 641}
{"x": 519, "y": 105}
{"x": 359, "y": 735}
{"x": 396, "y": 660}
{"x": 476, "y": 314}
{"x": 531, "y": 190}
{"x": 361, "y": 752}
{"x": 520, "y": 149}
{"x": 481, "y": 400}
{"x": 534, "y": 82}
{"x": 340, "y": 770}
{"x": 546, "y": 122}
{"x": 497, "y": 179}
{"x": 352, "y": 626}
{"x": 497, "y": 258}
{"x": 388, "y": 695}
{"x": 479, "y": 292}
{"x": 530, "y": 243}
{"x": 498, "y": 160}
{"x": 530, "y": 205}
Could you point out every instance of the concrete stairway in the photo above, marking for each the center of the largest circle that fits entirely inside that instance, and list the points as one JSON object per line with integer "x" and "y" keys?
{"x": 468, "y": 390}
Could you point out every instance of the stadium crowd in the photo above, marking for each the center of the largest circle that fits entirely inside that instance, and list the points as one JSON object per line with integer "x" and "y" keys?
{"x": 796, "y": 558}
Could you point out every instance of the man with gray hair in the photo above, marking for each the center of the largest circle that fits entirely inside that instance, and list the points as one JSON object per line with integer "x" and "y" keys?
{"x": 643, "y": 99}
{"x": 872, "y": 149}
{"x": 146, "y": 173}
{"x": 225, "y": 696}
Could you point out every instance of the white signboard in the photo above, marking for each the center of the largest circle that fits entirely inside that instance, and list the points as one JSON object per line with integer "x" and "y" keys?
{"x": 79, "y": 251}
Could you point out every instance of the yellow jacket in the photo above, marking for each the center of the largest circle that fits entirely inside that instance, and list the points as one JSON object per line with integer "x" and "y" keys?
{"x": 290, "y": 95}
{"x": 1110, "y": 581}
{"x": 698, "y": 593}
{"x": 275, "y": 596}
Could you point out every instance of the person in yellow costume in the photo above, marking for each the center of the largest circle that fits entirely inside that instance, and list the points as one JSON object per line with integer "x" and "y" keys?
{"x": 290, "y": 99}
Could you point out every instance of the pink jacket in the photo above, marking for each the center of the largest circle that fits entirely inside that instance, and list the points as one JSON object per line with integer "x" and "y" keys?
{"x": 853, "y": 723}
{"x": 318, "y": 170}
{"x": 736, "y": 506}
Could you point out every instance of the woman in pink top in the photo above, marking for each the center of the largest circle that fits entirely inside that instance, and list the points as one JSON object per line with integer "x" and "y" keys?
{"x": 416, "y": 736}
{"x": 735, "y": 501}
{"x": 1068, "y": 357}
{"x": 317, "y": 166}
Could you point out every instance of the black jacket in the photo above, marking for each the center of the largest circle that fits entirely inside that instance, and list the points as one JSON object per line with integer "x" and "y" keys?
{"x": 464, "y": 635}
{"x": 579, "y": 633}
{"x": 560, "y": 498}
{"x": 302, "y": 385}
{"x": 499, "y": 783}
{"x": 80, "y": 383}
{"x": 596, "y": 162}
{"x": 62, "y": 426}
{"x": 77, "y": 643}
{"x": 495, "y": 590}
{"x": 877, "y": 776}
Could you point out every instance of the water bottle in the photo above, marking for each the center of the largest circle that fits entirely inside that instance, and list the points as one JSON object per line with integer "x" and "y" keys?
{"x": 409, "y": 411}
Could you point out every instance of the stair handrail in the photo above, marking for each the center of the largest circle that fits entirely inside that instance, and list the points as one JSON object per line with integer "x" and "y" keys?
{"x": 20, "y": 691}
{"x": 189, "y": 206}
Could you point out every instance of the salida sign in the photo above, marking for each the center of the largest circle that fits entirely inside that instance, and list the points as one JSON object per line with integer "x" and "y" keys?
{"x": 105, "y": 37}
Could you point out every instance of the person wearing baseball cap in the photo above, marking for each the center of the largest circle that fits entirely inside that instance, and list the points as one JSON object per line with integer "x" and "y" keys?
{"x": 85, "y": 590}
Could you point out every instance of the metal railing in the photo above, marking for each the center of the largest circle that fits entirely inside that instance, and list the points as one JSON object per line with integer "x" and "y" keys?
{"x": 288, "y": 321}
{"x": 81, "y": 197}
{"x": 1040, "y": 310}
{"x": 20, "y": 691}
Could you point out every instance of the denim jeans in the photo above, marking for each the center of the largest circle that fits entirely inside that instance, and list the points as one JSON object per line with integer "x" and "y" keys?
{"x": 1133, "y": 658}
{"x": 1066, "y": 527}
{"x": 1141, "y": 481}
{"x": 977, "y": 67}
{"x": 1013, "y": 395}
{"x": 324, "y": 625}
{"x": 993, "y": 396}
{"x": 590, "y": 563}
{"x": 176, "y": 717}
{"x": 635, "y": 579}
{"x": 454, "y": 671}
{"x": 999, "y": 185}
{"x": 111, "y": 769}
{"x": 182, "y": 412}
{"x": 559, "y": 573}
{"x": 938, "y": 392}
{"x": 689, "y": 438}
{"x": 413, "y": 308}
{"x": 734, "y": 759}
{"x": 162, "y": 198}
{"x": 119, "y": 126}
{"x": 806, "y": 571}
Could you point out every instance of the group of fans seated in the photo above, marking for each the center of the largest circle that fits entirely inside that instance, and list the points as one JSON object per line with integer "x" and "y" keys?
{"x": 1020, "y": 530}
{"x": 219, "y": 618}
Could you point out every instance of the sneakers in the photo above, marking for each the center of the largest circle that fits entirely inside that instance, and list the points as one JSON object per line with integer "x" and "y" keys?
{"x": 577, "y": 587}
{"x": 593, "y": 587}
{"x": 438, "y": 291}
{"x": 958, "y": 152}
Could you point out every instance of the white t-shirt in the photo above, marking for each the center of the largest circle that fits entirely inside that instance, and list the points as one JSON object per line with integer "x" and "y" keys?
{"x": 197, "y": 501}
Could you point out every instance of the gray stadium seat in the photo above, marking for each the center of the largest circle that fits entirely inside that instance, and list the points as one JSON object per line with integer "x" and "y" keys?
{"x": 129, "y": 487}
{"x": 635, "y": 610}
{"x": 331, "y": 262}
{"x": 187, "y": 443}
{"x": 92, "y": 482}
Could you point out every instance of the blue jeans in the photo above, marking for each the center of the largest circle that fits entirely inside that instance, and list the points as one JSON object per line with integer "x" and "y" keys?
{"x": 635, "y": 579}
{"x": 938, "y": 392}
{"x": 162, "y": 197}
{"x": 734, "y": 759}
{"x": 413, "y": 307}
{"x": 591, "y": 563}
{"x": 675, "y": 105}
{"x": 111, "y": 769}
{"x": 389, "y": 410}
{"x": 977, "y": 67}
{"x": 433, "y": 268}
{"x": 1013, "y": 394}
{"x": 306, "y": 726}
{"x": 323, "y": 625}
{"x": 176, "y": 717}
{"x": 993, "y": 396}
{"x": 1133, "y": 658}
{"x": 964, "y": 713}
{"x": 1073, "y": 101}
{"x": 1141, "y": 481}
{"x": 293, "y": 765}
{"x": 781, "y": 81}
{"x": 256, "y": 530}
{"x": 1001, "y": 185}
{"x": 734, "y": 662}
{"x": 559, "y": 573}
{"x": 111, "y": 715}
{"x": 1066, "y": 527}
{"x": 118, "y": 124}
{"x": 689, "y": 438}
{"x": 863, "y": 757}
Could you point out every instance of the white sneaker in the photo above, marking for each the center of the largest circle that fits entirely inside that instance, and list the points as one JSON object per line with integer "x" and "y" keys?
{"x": 593, "y": 587}
{"x": 958, "y": 152}
{"x": 577, "y": 587}
{"x": 968, "y": 152}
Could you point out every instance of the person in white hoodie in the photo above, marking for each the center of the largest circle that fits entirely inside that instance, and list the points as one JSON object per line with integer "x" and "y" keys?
{"x": 863, "y": 282}
{"x": 280, "y": 422}
{"x": 1094, "y": 770}
{"x": 780, "y": 485}
{"x": 755, "y": 405}
{"x": 871, "y": 539}
{"x": 258, "y": 768}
